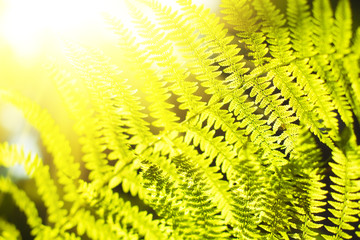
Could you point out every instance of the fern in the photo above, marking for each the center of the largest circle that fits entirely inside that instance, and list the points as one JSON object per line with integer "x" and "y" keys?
{"x": 55, "y": 142}
{"x": 235, "y": 133}
{"x": 8, "y": 230}
{"x": 345, "y": 195}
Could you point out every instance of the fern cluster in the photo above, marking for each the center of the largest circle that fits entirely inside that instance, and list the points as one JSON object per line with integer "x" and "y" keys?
{"x": 228, "y": 139}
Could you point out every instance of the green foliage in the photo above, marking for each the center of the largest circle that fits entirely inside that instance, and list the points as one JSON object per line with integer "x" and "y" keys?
{"x": 229, "y": 140}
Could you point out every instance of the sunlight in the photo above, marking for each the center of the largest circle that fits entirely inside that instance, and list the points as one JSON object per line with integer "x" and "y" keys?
{"x": 28, "y": 25}
{"x": 31, "y": 33}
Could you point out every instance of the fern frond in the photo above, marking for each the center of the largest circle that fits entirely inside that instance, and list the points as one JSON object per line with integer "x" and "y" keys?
{"x": 353, "y": 73}
{"x": 102, "y": 77}
{"x": 185, "y": 203}
{"x": 193, "y": 47}
{"x": 212, "y": 146}
{"x": 25, "y": 204}
{"x": 218, "y": 191}
{"x": 277, "y": 35}
{"x": 323, "y": 25}
{"x": 87, "y": 223}
{"x": 260, "y": 133}
{"x": 213, "y": 114}
{"x": 167, "y": 198}
{"x": 48, "y": 191}
{"x": 162, "y": 193}
{"x": 277, "y": 114}
{"x": 198, "y": 203}
{"x": 240, "y": 14}
{"x": 248, "y": 25}
{"x": 300, "y": 24}
{"x": 171, "y": 22}
{"x": 261, "y": 86}
{"x": 246, "y": 190}
{"x": 38, "y": 230}
{"x": 278, "y": 39}
{"x": 330, "y": 69}
{"x": 76, "y": 100}
{"x": 55, "y": 142}
{"x": 119, "y": 215}
{"x": 342, "y": 30}
{"x": 215, "y": 37}
{"x": 128, "y": 175}
{"x": 306, "y": 171}
{"x": 324, "y": 65}
{"x": 292, "y": 201}
{"x": 114, "y": 92}
{"x": 271, "y": 103}
{"x": 276, "y": 212}
{"x": 317, "y": 92}
{"x": 122, "y": 112}
{"x": 163, "y": 114}
{"x": 328, "y": 66}
{"x": 154, "y": 84}
{"x": 46, "y": 188}
{"x": 346, "y": 187}
{"x": 311, "y": 221}
{"x": 8, "y": 231}
{"x": 291, "y": 191}
{"x": 175, "y": 73}
{"x": 301, "y": 28}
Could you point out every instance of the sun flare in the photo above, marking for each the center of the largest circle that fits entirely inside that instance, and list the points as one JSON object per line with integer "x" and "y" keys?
{"x": 27, "y": 26}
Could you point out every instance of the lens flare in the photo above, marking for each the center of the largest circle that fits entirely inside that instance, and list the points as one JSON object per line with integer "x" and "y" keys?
{"x": 27, "y": 26}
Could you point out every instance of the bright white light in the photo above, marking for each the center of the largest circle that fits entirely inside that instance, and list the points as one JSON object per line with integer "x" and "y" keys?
{"x": 20, "y": 28}
{"x": 27, "y": 25}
